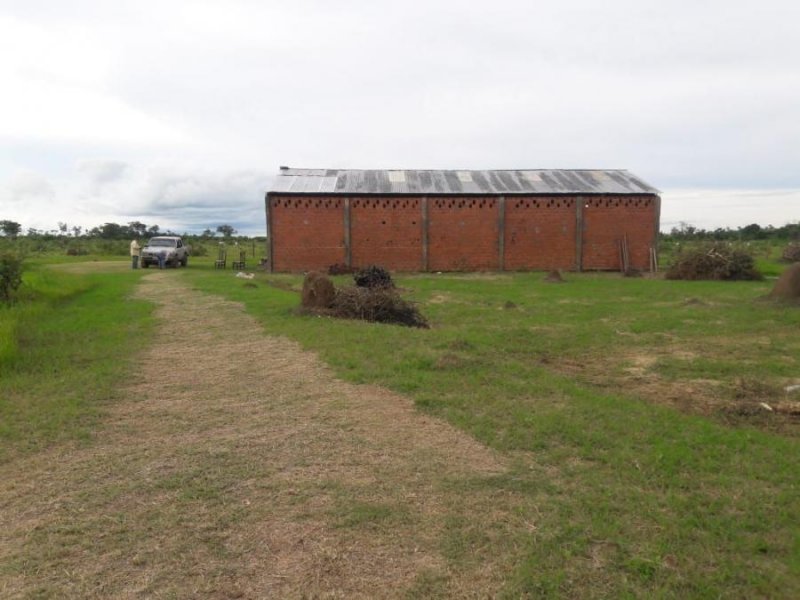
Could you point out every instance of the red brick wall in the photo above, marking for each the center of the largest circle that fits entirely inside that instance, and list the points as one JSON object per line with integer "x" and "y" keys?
{"x": 463, "y": 234}
{"x": 307, "y": 233}
{"x": 607, "y": 219}
{"x": 540, "y": 233}
{"x": 386, "y": 232}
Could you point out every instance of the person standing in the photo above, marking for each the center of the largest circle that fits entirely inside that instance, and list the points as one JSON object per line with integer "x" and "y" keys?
{"x": 135, "y": 250}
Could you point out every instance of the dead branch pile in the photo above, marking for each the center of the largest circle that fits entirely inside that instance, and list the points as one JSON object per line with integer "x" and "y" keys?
{"x": 373, "y": 277}
{"x": 787, "y": 287}
{"x": 792, "y": 252}
{"x": 380, "y": 305}
{"x": 339, "y": 269}
{"x": 715, "y": 261}
{"x": 318, "y": 291}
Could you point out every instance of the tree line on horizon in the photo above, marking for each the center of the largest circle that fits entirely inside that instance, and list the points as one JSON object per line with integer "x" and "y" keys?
{"x": 137, "y": 229}
{"x": 686, "y": 232}
{"x": 107, "y": 231}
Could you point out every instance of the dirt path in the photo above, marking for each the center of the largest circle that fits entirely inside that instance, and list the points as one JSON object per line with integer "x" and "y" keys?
{"x": 244, "y": 469}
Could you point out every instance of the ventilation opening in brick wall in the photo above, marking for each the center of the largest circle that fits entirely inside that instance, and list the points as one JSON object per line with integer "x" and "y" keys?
{"x": 538, "y": 203}
{"x": 305, "y": 203}
{"x": 385, "y": 204}
{"x": 462, "y": 204}
{"x": 618, "y": 203}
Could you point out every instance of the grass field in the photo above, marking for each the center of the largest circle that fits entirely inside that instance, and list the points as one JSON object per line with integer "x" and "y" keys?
{"x": 631, "y": 407}
{"x": 629, "y": 410}
{"x": 64, "y": 346}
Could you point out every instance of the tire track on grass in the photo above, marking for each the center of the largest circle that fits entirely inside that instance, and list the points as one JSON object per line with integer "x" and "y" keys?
{"x": 237, "y": 465}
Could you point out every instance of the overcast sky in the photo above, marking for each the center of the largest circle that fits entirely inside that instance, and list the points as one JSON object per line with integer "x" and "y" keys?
{"x": 179, "y": 113}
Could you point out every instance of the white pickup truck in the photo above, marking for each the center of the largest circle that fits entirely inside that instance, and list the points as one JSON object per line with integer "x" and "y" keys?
{"x": 171, "y": 246}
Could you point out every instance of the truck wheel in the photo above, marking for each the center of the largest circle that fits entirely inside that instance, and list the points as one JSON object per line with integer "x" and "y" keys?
{"x": 145, "y": 265}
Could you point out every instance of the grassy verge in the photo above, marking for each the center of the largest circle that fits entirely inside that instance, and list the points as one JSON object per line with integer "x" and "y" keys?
{"x": 627, "y": 497}
{"x": 64, "y": 345}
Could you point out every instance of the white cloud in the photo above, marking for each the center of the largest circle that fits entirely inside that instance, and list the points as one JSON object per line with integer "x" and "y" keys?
{"x": 202, "y": 100}
{"x": 54, "y": 82}
{"x": 28, "y": 187}
{"x": 102, "y": 172}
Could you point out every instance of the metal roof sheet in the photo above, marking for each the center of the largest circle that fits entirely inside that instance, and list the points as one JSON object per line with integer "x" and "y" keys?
{"x": 453, "y": 182}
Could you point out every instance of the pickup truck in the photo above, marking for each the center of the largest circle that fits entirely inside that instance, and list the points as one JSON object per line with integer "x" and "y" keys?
{"x": 171, "y": 246}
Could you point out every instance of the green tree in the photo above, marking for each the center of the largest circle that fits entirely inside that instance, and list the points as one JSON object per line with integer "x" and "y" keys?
{"x": 113, "y": 231}
{"x": 137, "y": 228}
{"x": 753, "y": 231}
{"x": 10, "y": 229}
{"x": 226, "y": 230}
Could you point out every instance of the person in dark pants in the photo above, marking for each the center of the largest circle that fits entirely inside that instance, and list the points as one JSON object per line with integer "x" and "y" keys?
{"x": 135, "y": 250}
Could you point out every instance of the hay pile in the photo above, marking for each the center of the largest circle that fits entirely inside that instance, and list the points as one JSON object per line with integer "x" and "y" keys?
{"x": 318, "y": 291}
{"x": 715, "y": 261}
{"x": 792, "y": 252}
{"x": 787, "y": 288}
{"x": 379, "y": 303}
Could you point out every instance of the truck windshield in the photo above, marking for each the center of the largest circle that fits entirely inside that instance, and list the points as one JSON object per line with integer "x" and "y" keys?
{"x": 162, "y": 242}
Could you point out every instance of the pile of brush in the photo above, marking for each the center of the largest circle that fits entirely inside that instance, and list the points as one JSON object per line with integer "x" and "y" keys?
{"x": 792, "y": 252}
{"x": 374, "y": 298}
{"x": 714, "y": 261}
{"x": 373, "y": 277}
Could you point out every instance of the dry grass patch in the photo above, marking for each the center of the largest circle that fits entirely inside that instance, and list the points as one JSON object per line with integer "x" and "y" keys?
{"x": 238, "y": 466}
{"x": 735, "y": 400}
{"x": 93, "y": 266}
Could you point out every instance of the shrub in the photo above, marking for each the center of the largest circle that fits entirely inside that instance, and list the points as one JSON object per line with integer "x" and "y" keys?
{"x": 373, "y": 277}
{"x": 197, "y": 250}
{"x": 714, "y": 261}
{"x": 10, "y": 275}
{"x": 76, "y": 250}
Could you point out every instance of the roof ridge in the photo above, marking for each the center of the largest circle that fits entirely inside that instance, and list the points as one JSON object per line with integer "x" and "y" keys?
{"x": 451, "y": 169}
{"x": 455, "y": 181}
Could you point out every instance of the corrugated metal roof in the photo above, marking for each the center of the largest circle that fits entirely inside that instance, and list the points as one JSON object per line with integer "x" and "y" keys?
{"x": 396, "y": 181}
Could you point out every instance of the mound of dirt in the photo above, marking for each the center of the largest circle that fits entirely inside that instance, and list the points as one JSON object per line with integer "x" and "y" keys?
{"x": 554, "y": 277}
{"x": 787, "y": 288}
{"x": 318, "y": 291}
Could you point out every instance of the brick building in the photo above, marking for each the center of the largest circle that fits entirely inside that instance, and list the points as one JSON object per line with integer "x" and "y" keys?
{"x": 414, "y": 220}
